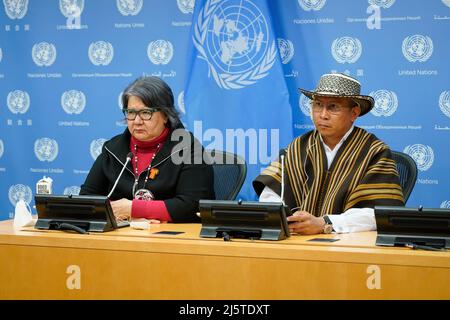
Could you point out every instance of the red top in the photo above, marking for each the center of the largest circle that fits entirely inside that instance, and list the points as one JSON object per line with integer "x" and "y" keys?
{"x": 143, "y": 152}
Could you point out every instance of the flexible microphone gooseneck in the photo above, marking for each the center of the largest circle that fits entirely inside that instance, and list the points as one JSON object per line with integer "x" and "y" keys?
{"x": 129, "y": 157}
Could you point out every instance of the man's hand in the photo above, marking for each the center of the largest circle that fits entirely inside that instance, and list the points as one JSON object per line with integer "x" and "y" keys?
{"x": 122, "y": 209}
{"x": 305, "y": 223}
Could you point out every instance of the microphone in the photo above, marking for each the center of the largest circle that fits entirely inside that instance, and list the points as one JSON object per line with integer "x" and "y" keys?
{"x": 282, "y": 154}
{"x": 129, "y": 157}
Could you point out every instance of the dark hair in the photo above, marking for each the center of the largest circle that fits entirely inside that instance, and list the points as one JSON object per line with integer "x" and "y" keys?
{"x": 154, "y": 93}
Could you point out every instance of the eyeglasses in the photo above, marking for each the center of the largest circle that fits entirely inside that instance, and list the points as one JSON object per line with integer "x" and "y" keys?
{"x": 332, "y": 108}
{"x": 144, "y": 114}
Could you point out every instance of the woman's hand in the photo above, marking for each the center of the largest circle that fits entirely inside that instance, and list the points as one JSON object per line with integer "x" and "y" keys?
{"x": 122, "y": 209}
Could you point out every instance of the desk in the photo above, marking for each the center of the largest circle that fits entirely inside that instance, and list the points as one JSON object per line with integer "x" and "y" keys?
{"x": 138, "y": 264}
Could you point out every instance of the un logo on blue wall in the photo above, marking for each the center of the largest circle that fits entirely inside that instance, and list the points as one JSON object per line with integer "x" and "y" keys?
{"x": 72, "y": 190}
{"x": 71, "y": 8}
{"x": 129, "y": 7}
{"x": 444, "y": 103}
{"x": 286, "y": 49}
{"x": 18, "y": 101}
{"x": 186, "y": 6}
{"x": 101, "y": 53}
{"x": 180, "y": 101}
{"x": 19, "y": 192}
{"x": 346, "y": 49}
{"x": 2, "y": 148}
{"x": 305, "y": 105}
{"x": 43, "y": 54}
{"x": 46, "y": 149}
{"x": 446, "y": 2}
{"x": 232, "y": 36}
{"x": 96, "y": 147}
{"x": 160, "y": 51}
{"x": 423, "y": 155}
{"x": 382, "y": 3}
{"x": 16, "y": 9}
{"x": 73, "y": 101}
{"x": 417, "y": 48}
{"x": 309, "y": 5}
{"x": 386, "y": 103}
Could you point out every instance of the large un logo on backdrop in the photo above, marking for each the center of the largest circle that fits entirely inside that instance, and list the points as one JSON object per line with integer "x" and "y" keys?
{"x": 444, "y": 102}
{"x": 286, "y": 49}
{"x": 309, "y": 5}
{"x": 101, "y": 53}
{"x": 160, "y": 51}
{"x": 43, "y": 54}
{"x": 386, "y": 103}
{"x": 19, "y": 192}
{"x": 96, "y": 147}
{"x": 232, "y": 36}
{"x": 71, "y": 8}
{"x": 417, "y": 48}
{"x": 346, "y": 49}
{"x": 46, "y": 149}
{"x": 16, "y": 9}
{"x": 423, "y": 155}
{"x": 186, "y": 6}
{"x": 18, "y": 101}
{"x": 73, "y": 101}
{"x": 382, "y": 3}
{"x": 129, "y": 7}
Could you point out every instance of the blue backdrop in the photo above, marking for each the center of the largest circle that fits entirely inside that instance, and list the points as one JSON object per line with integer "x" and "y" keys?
{"x": 235, "y": 67}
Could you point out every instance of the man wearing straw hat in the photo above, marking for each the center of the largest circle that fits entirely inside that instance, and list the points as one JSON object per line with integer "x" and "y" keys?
{"x": 333, "y": 175}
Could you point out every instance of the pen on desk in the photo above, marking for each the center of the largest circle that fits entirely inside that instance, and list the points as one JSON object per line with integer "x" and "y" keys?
{"x": 422, "y": 247}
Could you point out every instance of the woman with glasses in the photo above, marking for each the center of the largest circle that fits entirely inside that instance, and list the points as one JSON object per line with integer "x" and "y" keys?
{"x": 165, "y": 178}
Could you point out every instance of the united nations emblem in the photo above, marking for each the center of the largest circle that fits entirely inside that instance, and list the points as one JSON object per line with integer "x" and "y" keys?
{"x": 232, "y": 36}
{"x": 446, "y": 2}
{"x": 305, "y": 105}
{"x": 417, "y": 48}
{"x": 101, "y": 53}
{"x": 71, "y": 8}
{"x": 346, "y": 49}
{"x": 386, "y": 103}
{"x": 16, "y": 9}
{"x": 444, "y": 103}
{"x": 44, "y": 54}
{"x": 382, "y": 3}
{"x": 46, "y": 149}
{"x": 19, "y": 192}
{"x": 160, "y": 51}
{"x": 72, "y": 190}
{"x": 309, "y": 5}
{"x": 445, "y": 204}
{"x": 180, "y": 100}
{"x": 286, "y": 49}
{"x": 423, "y": 155}
{"x": 18, "y": 101}
{"x": 73, "y": 101}
{"x": 119, "y": 100}
{"x": 2, "y": 148}
{"x": 129, "y": 7}
{"x": 96, "y": 147}
{"x": 186, "y": 6}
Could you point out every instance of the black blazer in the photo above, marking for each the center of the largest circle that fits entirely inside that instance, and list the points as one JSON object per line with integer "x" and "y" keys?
{"x": 180, "y": 185}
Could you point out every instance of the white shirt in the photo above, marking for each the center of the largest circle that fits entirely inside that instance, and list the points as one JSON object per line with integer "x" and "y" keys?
{"x": 352, "y": 220}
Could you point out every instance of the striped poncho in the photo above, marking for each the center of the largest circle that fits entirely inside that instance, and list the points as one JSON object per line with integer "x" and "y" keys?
{"x": 362, "y": 175}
